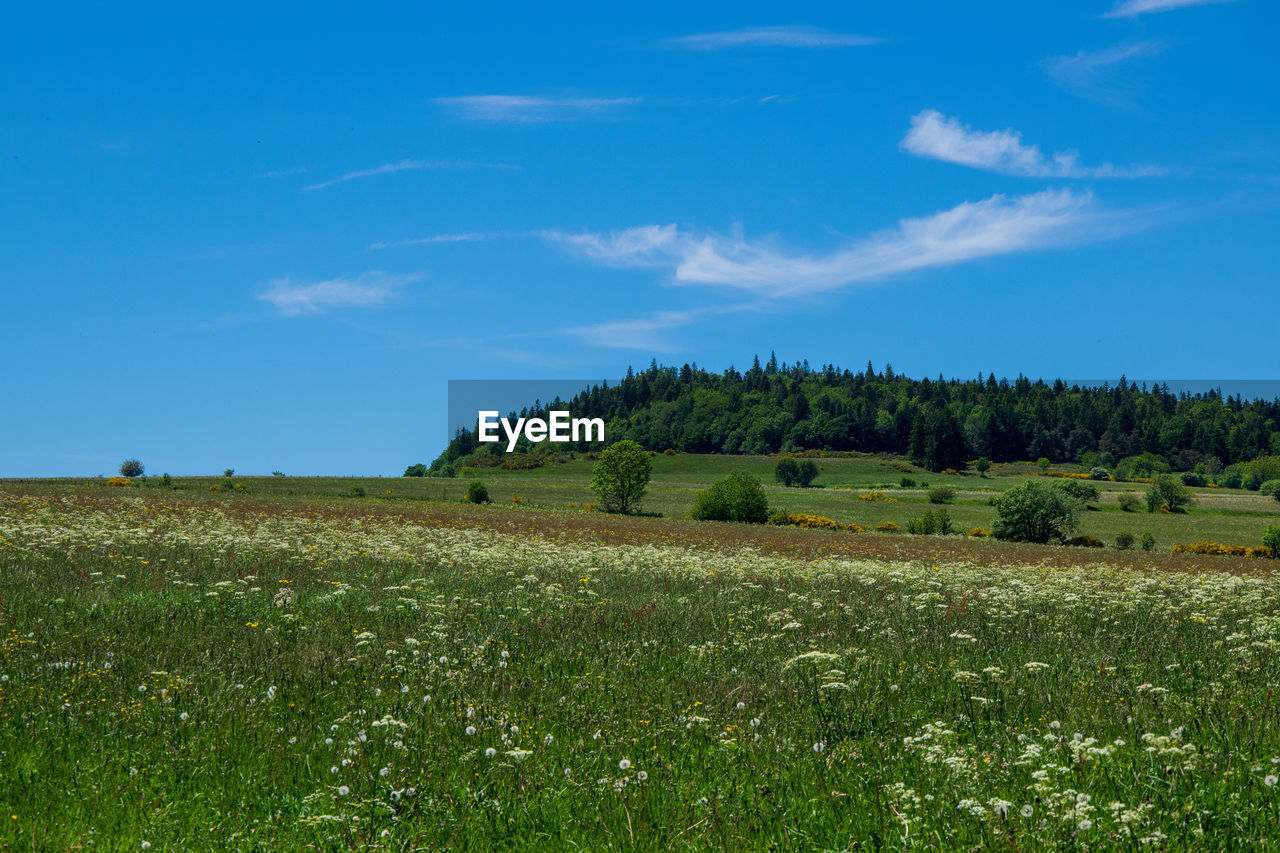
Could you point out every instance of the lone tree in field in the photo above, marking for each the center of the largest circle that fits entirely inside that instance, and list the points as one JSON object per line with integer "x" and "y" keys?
{"x": 983, "y": 465}
{"x": 1168, "y": 495}
{"x": 621, "y": 475}
{"x": 131, "y": 468}
{"x": 789, "y": 472}
{"x": 1036, "y": 512}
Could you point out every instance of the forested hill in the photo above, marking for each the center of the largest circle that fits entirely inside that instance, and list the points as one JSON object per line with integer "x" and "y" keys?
{"x": 940, "y": 423}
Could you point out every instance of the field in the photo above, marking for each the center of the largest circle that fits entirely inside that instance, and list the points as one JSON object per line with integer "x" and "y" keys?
{"x": 254, "y": 670}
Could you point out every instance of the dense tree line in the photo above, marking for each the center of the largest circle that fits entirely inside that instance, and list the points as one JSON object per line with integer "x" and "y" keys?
{"x": 940, "y": 423}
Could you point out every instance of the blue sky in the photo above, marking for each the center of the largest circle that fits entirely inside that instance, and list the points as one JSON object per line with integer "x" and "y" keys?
{"x": 264, "y": 237}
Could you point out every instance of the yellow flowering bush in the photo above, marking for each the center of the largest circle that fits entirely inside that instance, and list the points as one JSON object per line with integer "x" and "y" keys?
{"x": 877, "y": 495}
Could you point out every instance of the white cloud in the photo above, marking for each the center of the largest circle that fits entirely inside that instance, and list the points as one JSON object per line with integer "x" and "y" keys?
{"x": 789, "y": 36}
{"x": 529, "y": 108}
{"x": 408, "y": 165}
{"x": 995, "y": 226}
{"x": 469, "y": 237}
{"x": 1134, "y": 8}
{"x": 1091, "y": 73}
{"x": 367, "y": 290}
{"x": 938, "y": 137}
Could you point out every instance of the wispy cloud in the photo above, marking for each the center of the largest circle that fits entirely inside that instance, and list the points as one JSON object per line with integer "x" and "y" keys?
{"x": 1092, "y": 73}
{"x": 470, "y": 237}
{"x": 531, "y": 108}
{"x": 788, "y": 36}
{"x": 995, "y": 226}
{"x": 938, "y": 137}
{"x": 1134, "y": 8}
{"x": 408, "y": 165}
{"x": 293, "y": 299}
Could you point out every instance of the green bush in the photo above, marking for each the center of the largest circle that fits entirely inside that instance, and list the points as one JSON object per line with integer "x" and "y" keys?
{"x": 1168, "y": 492}
{"x": 907, "y": 483}
{"x": 1193, "y": 478}
{"x": 356, "y": 492}
{"x": 621, "y": 476}
{"x": 1253, "y": 481}
{"x": 229, "y": 472}
{"x": 778, "y": 517}
{"x": 418, "y": 470}
{"x": 932, "y": 523}
{"x": 983, "y": 465}
{"x": 1099, "y": 473}
{"x": 1080, "y": 490}
{"x": 1129, "y": 501}
{"x": 1230, "y": 480}
{"x": 789, "y": 472}
{"x": 1270, "y": 487}
{"x": 941, "y": 494}
{"x": 1271, "y": 539}
{"x": 131, "y": 468}
{"x": 1148, "y": 542}
{"x": 1125, "y": 540}
{"x": 1036, "y": 512}
{"x": 1142, "y": 465}
{"x": 166, "y": 482}
{"x": 477, "y": 493}
{"x": 277, "y": 473}
{"x": 738, "y": 497}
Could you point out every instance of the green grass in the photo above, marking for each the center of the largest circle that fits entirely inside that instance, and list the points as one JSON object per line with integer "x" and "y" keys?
{"x": 217, "y": 671}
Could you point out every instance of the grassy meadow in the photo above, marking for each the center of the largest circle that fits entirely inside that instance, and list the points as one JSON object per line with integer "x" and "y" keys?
{"x": 282, "y": 667}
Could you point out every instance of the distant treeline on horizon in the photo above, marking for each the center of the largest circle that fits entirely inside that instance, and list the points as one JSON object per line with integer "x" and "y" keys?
{"x": 939, "y": 423}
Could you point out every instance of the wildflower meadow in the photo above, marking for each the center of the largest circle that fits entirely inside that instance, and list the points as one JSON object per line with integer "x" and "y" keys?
{"x": 183, "y": 674}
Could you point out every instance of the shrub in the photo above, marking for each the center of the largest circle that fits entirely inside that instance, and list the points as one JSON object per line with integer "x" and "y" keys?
{"x": 932, "y": 523}
{"x": 877, "y": 495}
{"x": 277, "y": 473}
{"x": 117, "y": 481}
{"x": 807, "y": 473}
{"x": 1271, "y": 539}
{"x": 229, "y": 472}
{"x": 1099, "y": 473}
{"x": 907, "y": 483}
{"x": 1214, "y": 548}
{"x": 166, "y": 482}
{"x": 1142, "y": 465}
{"x": 978, "y": 532}
{"x": 1081, "y": 491}
{"x": 888, "y": 527}
{"x": 1129, "y": 501}
{"x": 1036, "y": 512}
{"x": 779, "y": 517}
{"x": 356, "y": 491}
{"x": 1254, "y": 481}
{"x": 1125, "y": 540}
{"x": 1191, "y": 478}
{"x": 1043, "y": 463}
{"x": 983, "y": 465}
{"x": 418, "y": 470}
{"x": 1148, "y": 542}
{"x": 941, "y": 494}
{"x": 131, "y": 468}
{"x": 1083, "y": 542}
{"x": 786, "y": 471}
{"x": 1230, "y": 480}
{"x": 1168, "y": 495}
{"x": 804, "y": 519}
{"x": 738, "y": 497}
{"x": 477, "y": 493}
{"x": 621, "y": 476}
{"x": 1270, "y": 487}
